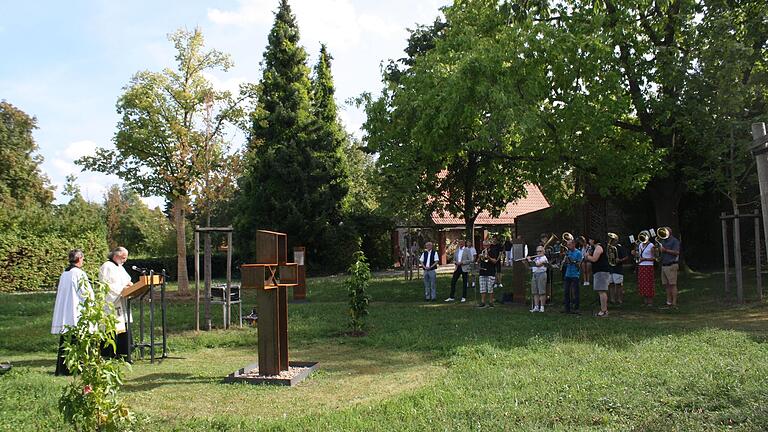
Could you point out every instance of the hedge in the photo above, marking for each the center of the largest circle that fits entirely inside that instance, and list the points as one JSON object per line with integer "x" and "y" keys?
{"x": 34, "y": 263}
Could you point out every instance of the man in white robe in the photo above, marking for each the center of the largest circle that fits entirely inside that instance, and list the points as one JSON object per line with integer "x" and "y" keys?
{"x": 73, "y": 289}
{"x": 117, "y": 279}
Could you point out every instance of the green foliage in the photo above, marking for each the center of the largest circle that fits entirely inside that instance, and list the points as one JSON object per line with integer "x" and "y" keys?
{"x": 133, "y": 225}
{"x": 31, "y": 262}
{"x": 90, "y": 401}
{"x": 665, "y": 75}
{"x": 21, "y": 181}
{"x": 295, "y": 179}
{"x": 469, "y": 118}
{"x": 357, "y": 286}
{"x": 170, "y": 134}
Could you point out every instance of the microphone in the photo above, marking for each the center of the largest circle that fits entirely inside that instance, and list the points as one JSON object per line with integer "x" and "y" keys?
{"x": 139, "y": 269}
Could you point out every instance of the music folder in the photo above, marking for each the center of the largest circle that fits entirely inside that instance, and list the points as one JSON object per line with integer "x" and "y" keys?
{"x": 141, "y": 286}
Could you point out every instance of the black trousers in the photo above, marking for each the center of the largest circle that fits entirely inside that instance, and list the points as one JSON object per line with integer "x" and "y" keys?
{"x": 123, "y": 345}
{"x": 454, "y": 279}
{"x": 61, "y": 368}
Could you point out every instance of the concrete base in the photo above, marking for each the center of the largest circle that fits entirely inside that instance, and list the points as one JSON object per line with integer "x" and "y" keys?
{"x": 241, "y": 375}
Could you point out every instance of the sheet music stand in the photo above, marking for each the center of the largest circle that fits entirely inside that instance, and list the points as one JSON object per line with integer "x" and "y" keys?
{"x": 141, "y": 290}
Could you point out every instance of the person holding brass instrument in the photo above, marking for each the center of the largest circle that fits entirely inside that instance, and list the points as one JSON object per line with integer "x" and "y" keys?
{"x": 487, "y": 259}
{"x": 670, "y": 255}
{"x": 461, "y": 260}
{"x": 586, "y": 247}
{"x": 616, "y": 259}
{"x": 601, "y": 274}
{"x": 645, "y": 277}
{"x": 539, "y": 266}
{"x": 571, "y": 264}
{"x": 429, "y": 261}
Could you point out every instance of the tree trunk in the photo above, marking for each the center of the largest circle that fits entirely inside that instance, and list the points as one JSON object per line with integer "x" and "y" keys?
{"x": 666, "y": 197}
{"x": 181, "y": 245}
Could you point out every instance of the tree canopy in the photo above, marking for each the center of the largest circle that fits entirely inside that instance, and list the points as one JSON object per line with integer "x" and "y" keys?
{"x": 20, "y": 177}
{"x": 172, "y": 126}
{"x": 294, "y": 177}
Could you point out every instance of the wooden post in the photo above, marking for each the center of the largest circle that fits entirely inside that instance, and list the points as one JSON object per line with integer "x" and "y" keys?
{"x": 737, "y": 256}
{"x": 758, "y": 258}
{"x": 197, "y": 280}
{"x": 207, "y": 277}
{"x": 759, "y": 150}
{"x": 229, "y": 281}
{"x": 726, "y": 264}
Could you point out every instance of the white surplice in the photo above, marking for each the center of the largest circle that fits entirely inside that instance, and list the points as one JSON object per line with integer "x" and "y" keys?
{"x": 116, "y": 279}
{"x": 73, "y": 288}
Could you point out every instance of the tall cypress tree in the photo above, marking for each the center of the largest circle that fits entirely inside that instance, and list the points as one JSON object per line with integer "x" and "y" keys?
{"x": 291, "y": 181}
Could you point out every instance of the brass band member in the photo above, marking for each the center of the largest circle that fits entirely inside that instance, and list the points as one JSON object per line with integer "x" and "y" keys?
{"x": 670, "y": 255}
{"x": 616, "y": 287}
{"x": 645, "y": 277}
{"x": 601, "y": 269}
{"x": 571, "y": 265}
{"x": 487, "y": 259}
{"x": 538, "y": 279}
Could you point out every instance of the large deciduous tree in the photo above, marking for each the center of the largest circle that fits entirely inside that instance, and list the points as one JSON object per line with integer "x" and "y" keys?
{"x": 20, "y": 178}
{"x": 677, "y": 75}
{"x": 172, "y": 123}
{"x": 471, "y": 116}
{"x": 293, "y": 179}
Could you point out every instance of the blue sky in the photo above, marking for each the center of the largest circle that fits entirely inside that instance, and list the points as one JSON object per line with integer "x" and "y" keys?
{"x": 66, "y": 62}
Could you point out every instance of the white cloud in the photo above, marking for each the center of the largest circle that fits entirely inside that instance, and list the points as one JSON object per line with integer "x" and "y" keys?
{"x": 153, "y": 202}
{"x": 231, "y": 84}
{"x": 79, "y": 149}
{"x": 250, "y": 12}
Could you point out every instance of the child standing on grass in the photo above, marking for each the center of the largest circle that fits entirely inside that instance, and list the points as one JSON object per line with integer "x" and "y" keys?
{"x": 539, "y": 279}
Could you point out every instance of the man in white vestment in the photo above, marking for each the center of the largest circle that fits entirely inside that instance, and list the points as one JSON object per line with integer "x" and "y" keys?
{"x": 72, "y": 290}
{"x": 117, "y": 279}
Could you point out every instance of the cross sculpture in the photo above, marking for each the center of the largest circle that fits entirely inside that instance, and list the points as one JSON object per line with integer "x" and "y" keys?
{"x": 271, "y": 276}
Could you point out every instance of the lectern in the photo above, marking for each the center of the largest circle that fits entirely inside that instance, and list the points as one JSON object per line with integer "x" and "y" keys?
{"x": 140, "y": 291}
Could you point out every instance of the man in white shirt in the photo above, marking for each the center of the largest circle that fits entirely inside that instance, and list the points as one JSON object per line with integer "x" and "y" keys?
{"x": 72, "y": 290}
{"x": 462, "y": 259}
{"x": 117, "y": 279}
{"x": 429, "y": 261}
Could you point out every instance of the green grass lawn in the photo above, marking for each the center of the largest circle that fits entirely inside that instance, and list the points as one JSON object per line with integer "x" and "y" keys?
{"x": 432, "y": 366}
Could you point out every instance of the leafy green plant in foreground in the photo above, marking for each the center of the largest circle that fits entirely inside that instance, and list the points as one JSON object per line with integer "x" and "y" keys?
{"x": 90, "y": 401}
{"x": 357, "y": 285}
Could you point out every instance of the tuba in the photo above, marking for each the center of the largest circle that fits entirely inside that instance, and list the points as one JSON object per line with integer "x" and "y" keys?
{"x": 612, "y": 252}
{"x": 548, "y": 244}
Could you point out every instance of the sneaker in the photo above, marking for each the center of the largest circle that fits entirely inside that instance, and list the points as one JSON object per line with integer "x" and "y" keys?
{"x": 535, "y": 309}
{"x": 586, "y": 283}
{"x": 481, "y": 305}
{"x": 449, "y": 299}
{"x": 463, "y": 300}
{"x": 541, "y": 309}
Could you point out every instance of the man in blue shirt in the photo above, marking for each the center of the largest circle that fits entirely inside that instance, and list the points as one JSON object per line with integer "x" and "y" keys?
{"x": 670, "y": 255}
{"x": 572, "y": 263}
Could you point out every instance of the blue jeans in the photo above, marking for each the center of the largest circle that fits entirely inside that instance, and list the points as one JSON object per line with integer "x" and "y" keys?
{"x": 571, "y": 293}
{"x": 430, "y": 285}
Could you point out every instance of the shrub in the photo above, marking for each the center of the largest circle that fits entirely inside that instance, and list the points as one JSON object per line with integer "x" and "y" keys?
{"x": 31, "y": 262}
{"x": 90, "y": 401}
{"x": 357, "y": 286}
